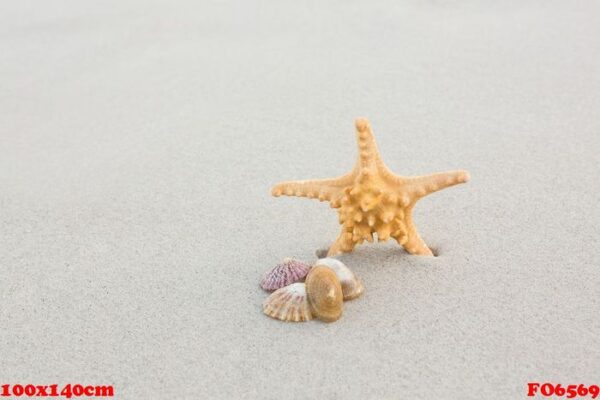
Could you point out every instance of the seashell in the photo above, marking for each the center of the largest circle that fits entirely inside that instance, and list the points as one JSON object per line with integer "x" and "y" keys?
{"x": 285, "y": 273}
{"x": 289, "y": 303}
{"x": 324, "y": 293}
{"x": 352, "y": 287}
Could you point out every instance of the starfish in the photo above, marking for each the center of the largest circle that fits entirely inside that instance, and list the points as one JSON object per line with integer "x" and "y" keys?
{"x": 372, "y": 199}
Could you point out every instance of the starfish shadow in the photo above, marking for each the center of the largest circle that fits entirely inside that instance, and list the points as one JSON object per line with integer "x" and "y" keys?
{"x": 389, "y": 250}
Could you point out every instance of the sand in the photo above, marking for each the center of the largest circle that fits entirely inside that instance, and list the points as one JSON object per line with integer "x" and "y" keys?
{"x": 139, "y": 141}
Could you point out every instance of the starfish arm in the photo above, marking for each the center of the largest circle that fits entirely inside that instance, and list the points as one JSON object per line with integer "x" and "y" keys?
{"x": 343, "y": 244}
{"x": 368, "y": 153}
{"x": 323, "y": 189}
{"x": 421, "y": 186}
{"x": 410, "y": 239}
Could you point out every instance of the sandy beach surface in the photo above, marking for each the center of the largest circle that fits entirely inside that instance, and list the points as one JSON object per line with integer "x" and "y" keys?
{"x": 139, "y": 141}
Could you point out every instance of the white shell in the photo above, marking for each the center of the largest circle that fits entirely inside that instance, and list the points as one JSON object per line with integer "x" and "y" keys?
{"x": 352, "y": 287}
{"x": 289, "y": 303}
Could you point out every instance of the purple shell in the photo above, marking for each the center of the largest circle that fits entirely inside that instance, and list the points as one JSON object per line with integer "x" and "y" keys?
{"x": 286, "y": 273}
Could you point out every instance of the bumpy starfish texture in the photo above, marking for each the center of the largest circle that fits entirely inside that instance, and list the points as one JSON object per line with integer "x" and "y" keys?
{"x": 372, "y": 199}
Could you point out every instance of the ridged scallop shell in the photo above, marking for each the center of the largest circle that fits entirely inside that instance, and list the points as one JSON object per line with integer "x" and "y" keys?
{"x": 352, "y": 287}
{"x": 289, "y": 303}
{"x": 324, "y": 294}
{"x": 287, "y": 272}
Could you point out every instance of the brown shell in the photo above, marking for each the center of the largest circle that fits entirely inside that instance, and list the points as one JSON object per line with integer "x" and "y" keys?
{"x": 324, "y": 293}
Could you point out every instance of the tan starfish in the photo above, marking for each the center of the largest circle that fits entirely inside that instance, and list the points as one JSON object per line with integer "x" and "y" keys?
{"x": 372, "y": 199}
